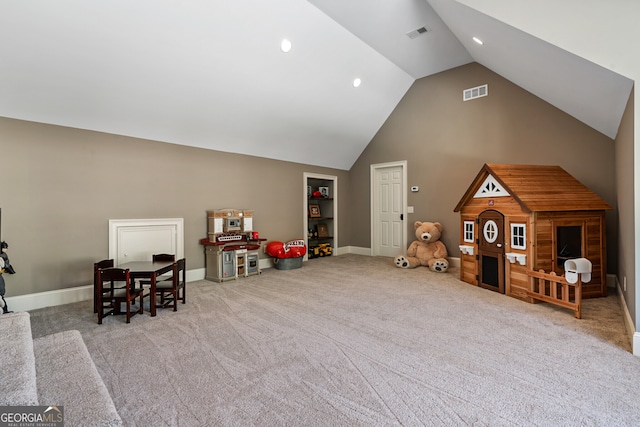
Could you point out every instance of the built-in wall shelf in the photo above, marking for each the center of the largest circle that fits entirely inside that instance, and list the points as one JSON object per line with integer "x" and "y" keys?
{"x": 320, "y": 214}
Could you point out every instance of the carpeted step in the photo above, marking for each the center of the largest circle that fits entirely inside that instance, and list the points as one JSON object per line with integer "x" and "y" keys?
{"x": 18, "y": 373}
{"x": 67, "y": 376}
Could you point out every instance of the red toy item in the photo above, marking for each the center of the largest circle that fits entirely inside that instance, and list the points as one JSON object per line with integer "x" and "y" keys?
{"x": 275, "y": 249}
{"x": 295, "y": 248}
{"x": 292, "y": 249}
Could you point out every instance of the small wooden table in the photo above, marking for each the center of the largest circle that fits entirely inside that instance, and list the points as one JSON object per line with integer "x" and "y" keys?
{"x": 148, "y": 270}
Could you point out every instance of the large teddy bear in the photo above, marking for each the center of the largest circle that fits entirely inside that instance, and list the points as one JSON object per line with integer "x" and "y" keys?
{"x": 428, "y": 250}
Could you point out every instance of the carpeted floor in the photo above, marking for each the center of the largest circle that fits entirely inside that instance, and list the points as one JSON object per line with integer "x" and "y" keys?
{"x": 353, "y": 341}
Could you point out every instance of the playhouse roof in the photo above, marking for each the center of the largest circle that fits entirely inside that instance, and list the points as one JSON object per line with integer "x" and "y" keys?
{"x": 537, "y": 188}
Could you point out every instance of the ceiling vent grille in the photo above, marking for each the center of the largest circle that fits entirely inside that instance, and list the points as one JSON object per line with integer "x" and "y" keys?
{"x": 475, "y": 92}
{"x": 417, "y": 33}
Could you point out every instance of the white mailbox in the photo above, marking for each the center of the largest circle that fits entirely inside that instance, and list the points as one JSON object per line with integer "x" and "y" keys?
{"x": 577, "y": 267}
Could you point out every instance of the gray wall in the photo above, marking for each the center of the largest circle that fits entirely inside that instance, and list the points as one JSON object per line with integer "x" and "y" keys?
{"x": 62, "y": 185}
{"x": 446, "y": 141}
{"x": 627, "y": 235}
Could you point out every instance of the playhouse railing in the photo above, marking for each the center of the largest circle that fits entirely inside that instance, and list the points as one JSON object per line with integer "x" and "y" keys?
{"x": 554, "y": 289}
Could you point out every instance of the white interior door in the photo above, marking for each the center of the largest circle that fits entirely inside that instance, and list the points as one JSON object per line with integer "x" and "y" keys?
{"x": 388, "y": 182}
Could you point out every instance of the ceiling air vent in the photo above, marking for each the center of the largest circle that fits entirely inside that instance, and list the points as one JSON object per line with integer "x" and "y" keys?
{"x": 417, "y": 33}
{"x": 475, "y": 92}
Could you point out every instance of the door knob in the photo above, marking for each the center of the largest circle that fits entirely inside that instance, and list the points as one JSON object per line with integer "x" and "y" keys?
{"x": 401, "y": 217}
{"x": 499, "y": 245}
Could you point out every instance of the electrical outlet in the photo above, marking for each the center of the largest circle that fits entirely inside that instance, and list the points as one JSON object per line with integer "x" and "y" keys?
{"x": 624, "y": 284}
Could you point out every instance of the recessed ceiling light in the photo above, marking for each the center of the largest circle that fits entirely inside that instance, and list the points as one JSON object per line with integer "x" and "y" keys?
{"x": 356, "y": 82}
{"x": 477, "y": 40}
{"x": 285, "y": 45}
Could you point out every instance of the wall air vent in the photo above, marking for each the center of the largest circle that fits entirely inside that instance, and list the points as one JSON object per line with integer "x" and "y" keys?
{"x": 475, "y": 92}
{"x": 417, "y": 33}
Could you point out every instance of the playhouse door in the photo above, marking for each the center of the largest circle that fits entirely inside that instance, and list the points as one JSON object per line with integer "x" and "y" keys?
{"x": 491, "y": 251}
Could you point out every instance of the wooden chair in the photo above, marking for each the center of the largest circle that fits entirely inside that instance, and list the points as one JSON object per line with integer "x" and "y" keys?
{"x": 163, "y": 257}
{"x": 169, "y": 290}
{"x": 110, "y": 298}
{"x": 160, "y": 258}
{"x": 105, "y": 263}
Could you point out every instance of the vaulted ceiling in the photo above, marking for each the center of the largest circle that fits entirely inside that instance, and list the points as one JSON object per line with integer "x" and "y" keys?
{"x": 211, "y": 74}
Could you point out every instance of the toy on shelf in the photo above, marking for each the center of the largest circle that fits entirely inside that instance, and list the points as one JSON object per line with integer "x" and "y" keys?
{"x": 320, "y": 250}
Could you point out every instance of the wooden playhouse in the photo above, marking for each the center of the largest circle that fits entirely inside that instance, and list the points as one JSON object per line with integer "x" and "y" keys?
{"x": 516, "y": 219}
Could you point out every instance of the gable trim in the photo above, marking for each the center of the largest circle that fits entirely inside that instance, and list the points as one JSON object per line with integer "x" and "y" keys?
{"x": 491, "y": 188}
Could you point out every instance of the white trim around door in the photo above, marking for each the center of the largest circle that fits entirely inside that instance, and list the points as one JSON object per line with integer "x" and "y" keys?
{"x": 400, "y": 235}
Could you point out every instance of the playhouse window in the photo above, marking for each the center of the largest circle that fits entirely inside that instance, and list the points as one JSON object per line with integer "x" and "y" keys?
{"x": 568, "y": 243}
{"x": 518, "y": 236}
{"x": 468, "y": 231}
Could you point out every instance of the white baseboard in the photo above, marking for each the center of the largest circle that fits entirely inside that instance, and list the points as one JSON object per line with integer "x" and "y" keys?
{"x": 628, "y": 321}
{"x": 453, "y": 261}
{"x": 50, "y": 298}
{"x": 353, "y": 250}
{"x": 83, "y": 293}
{"x": 69, "y": 295}
{"x": 193, "y": 275}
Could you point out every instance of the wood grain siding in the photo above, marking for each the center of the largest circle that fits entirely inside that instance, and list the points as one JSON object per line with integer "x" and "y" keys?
{"x": 543, "y": 259}
{"x": 468, "y": 264}
{"x": 506, "y": 205}
{"x": 593, "y": 245}
{"x": 518, "y": 283}
{"x": 469, "y": 270}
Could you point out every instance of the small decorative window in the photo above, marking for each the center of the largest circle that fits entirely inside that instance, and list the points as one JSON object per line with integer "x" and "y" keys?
{"x": 490, "y": 231}
{"x": 468, "y": 231}
{"x": 518, "y": 236}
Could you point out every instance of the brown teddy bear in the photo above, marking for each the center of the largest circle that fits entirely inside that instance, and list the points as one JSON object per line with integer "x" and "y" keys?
{"x": 428, "y": 250}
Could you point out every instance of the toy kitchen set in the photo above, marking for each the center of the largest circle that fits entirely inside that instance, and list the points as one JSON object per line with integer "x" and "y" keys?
{"x": 231, "y": 248}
